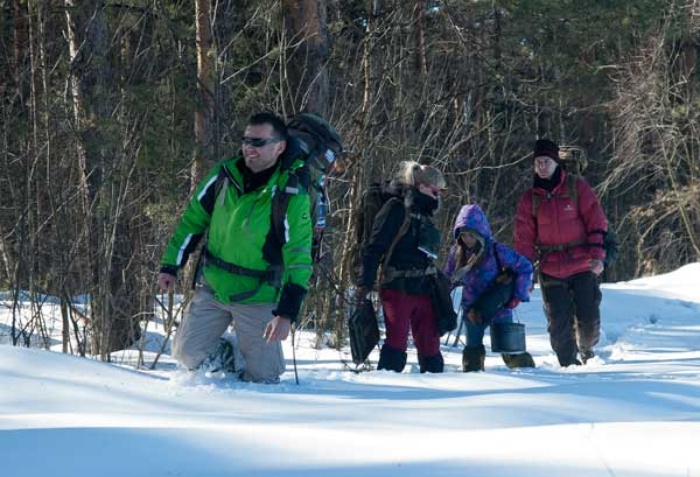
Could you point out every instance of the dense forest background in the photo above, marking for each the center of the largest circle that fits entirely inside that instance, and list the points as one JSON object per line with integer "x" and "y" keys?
{"x": 111, "y": 110}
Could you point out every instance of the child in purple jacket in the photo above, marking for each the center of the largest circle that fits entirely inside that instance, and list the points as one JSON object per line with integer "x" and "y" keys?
{"x": 474, "y": 262}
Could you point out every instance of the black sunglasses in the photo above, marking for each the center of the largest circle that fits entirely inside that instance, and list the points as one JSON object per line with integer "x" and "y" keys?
{"x": 258, "y": 141}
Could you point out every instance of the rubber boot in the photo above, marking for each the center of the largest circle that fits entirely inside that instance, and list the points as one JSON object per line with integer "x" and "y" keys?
{"x": 473, "y": 358}
{"x": 520, "y": 360}
{"x": 391, "y": 359}
{"x": 431, "y": 364}
{"x": 586, "y": 354}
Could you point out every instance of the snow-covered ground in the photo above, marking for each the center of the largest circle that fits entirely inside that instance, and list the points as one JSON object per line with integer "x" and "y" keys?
{"x": 634, "y": 410}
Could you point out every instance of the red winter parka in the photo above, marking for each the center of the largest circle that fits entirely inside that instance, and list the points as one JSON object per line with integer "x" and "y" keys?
{"x": 564, "y": 236}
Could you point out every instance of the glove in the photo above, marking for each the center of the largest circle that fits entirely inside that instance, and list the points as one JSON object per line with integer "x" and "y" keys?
{"x": 166, "y": 282}
{"x": 504, "y": 277}
{"x": 513, "y": 303}
{"x": 597, "y": 266}
{"x": 361, "y": 293}
{"x": 474, "y": 317}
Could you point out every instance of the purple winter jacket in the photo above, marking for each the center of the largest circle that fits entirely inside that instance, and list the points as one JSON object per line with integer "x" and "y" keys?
{"x": 477, "y": 279}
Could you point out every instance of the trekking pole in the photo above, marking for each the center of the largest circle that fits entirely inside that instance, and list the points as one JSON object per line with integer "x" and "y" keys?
{"x": 333, "y": 282}
{"x": 458, "y": 333}
{"x": 447, "y": 338}
{"x": 168, "y": 321}
{"x": 294, "y": 356}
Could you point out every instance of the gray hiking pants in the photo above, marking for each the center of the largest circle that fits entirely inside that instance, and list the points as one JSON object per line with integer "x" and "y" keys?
{"x": 206, "y": 320}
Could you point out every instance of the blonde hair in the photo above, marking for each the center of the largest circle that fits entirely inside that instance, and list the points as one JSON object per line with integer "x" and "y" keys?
{"x": 412, "y": 173}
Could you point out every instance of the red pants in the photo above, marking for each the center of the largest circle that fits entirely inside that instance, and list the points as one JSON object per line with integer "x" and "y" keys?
{"x": 400, "y": 311}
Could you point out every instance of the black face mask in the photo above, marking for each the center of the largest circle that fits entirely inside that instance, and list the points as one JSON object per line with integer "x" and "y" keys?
{"x": 425, "y": 203}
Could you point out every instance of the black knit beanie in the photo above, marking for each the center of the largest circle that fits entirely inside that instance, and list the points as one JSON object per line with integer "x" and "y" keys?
{"x": 545, "y": 147}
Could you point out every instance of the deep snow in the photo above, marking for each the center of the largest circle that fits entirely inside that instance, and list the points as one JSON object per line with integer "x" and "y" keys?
{"x": 634, "y": 410}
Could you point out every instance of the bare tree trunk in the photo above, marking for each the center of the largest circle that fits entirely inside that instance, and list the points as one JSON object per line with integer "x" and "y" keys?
{"x": 21, "y": 48}
{"x": 361, "y": 170}
{"x": 104, "y": 181}
{"x": 419, "y": 9}
{"x": 5, "y": 260}
{"x": 205, "y": 154}
{"x": 204, "y": 113}
{"x": 420, "y": 125}
{"x": 307, "y": 38}
{"x": 77, "y": 101}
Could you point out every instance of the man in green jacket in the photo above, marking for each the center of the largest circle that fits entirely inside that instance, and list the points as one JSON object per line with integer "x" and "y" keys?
{"x": 248, "y": 272}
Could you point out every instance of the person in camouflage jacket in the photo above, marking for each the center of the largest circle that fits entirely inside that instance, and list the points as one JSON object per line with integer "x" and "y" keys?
{"x": 237, "y": 280}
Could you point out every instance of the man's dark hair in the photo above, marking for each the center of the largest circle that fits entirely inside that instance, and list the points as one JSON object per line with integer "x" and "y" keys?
{"x": 277, "y": 123}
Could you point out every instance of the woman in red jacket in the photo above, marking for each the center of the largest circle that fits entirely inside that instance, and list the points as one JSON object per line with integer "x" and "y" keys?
{"x": 560, "y": 226}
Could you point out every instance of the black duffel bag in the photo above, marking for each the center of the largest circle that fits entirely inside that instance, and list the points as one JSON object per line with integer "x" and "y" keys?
{"x": 441, "y": 297}
{"x": 364, "y": 331}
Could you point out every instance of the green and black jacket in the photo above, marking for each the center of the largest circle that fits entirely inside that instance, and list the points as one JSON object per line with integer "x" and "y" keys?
{"x": 237, "y": 221}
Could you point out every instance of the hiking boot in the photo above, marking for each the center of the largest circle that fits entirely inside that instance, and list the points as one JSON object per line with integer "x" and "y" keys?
{"x": 520, "y": 360}
{"x": 586, "y": 354}
{"x": 223, "y": 359}
{"x": 566, "y": 364}
{"x": 431, "y": 364}
{"x": 473, "y": 358}
{"x": 391, "y": 359}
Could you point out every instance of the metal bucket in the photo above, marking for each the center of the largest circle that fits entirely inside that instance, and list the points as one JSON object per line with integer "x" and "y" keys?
{"x": 507, "y": 337}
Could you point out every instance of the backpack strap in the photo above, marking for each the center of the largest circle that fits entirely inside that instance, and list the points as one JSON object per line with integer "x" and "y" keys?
{"x": 399, "y": 235}
{"x": 223, "y": 180}
{"x": 298, "y": 180}
{"x": 405, "y": 226}
{"x": 272, "y": 276}
{"x": 571, "y": 185}
{"x": 499, "y": 264}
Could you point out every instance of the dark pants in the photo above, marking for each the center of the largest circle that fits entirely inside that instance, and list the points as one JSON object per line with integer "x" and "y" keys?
{"x": 402, "y": 311}
{"x": 572, "y": 307}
